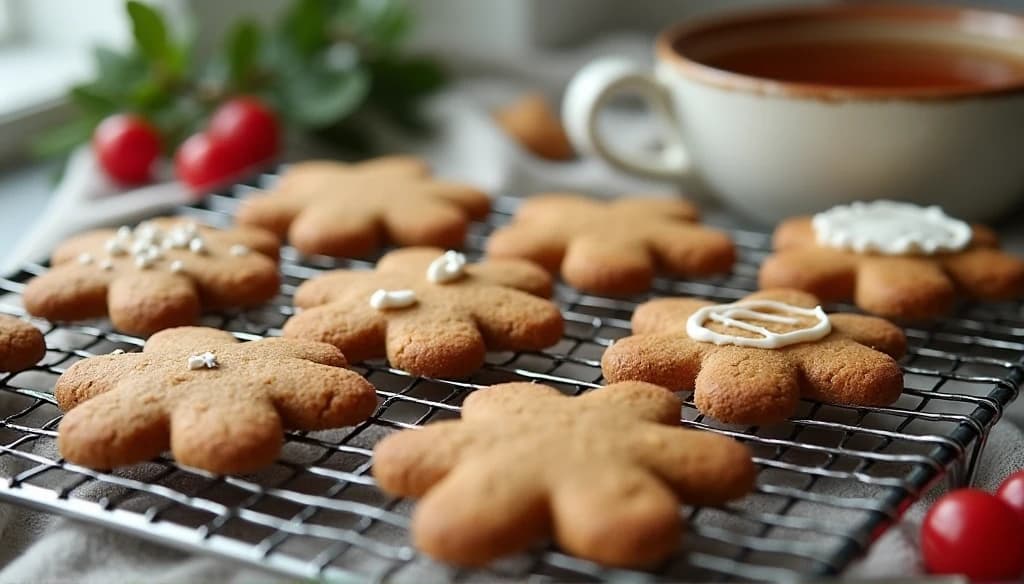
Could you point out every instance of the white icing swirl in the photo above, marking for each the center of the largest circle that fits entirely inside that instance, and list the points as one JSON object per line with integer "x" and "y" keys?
{"x": 730, "y": 315}
{"x": 448, "y": 267}
{"x": 383, "y": 299}
{"x": 205, "y": 360}
{"x": 890, "y": 228}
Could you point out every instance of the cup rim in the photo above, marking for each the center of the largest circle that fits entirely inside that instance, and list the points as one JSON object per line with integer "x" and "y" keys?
{"x": 997, "y": 24}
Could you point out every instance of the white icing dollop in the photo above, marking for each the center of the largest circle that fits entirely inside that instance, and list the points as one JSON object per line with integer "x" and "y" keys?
{"x": 384, "y": 299}
{"x": 117, "y": 352}
{"x": 730, "y": 315}
{"x": 106, "y": 265}
{"x": 143, "y": 262}
{"x": 447, "y": 268}
{"x": 177, "y": 266}
{"x": 238, "y": 250}
{"x": 890, "y": 228}
{"x": 85, "y": 258}
{"x": 114, "y": 247}
{"x": 205, "y": 360}
{"x": 197, "y": 245}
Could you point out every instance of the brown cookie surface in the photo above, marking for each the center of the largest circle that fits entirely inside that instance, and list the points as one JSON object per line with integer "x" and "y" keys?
{"x": 159, "y": 275}
{"x": 912, "y": 287}
{"x": 218, "y": 404}
{"x": 852, "y": 364}
{"x": 21, "y": 344}
{"x": 351, "y": 210}
{"x": 432, "y": 328}
{"x": 531, "y": 122}
{"x": 615, "y": 247}
{"x": 604, "y": 474}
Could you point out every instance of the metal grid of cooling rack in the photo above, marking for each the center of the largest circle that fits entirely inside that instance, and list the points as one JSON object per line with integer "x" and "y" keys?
{"x": 830, "y": 480}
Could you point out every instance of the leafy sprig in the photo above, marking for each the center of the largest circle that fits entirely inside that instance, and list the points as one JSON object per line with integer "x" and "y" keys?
{"x": 322, "y": 66}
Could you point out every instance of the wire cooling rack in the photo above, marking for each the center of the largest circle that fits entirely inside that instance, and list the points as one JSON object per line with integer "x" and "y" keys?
{"x": 830, "y": 481}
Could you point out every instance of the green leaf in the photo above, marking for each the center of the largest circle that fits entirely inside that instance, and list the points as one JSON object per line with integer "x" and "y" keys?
{"x": 63, "y": 139}
{"x": 117, "y": 73}
{"x": 150, "y": 32}
{"x": 92, "y": 100}
{"x": 243, "y": 50}
{"x": 305, "y": 25}
{"x": 319, "y": 99}
{"x": 406, "y": 79}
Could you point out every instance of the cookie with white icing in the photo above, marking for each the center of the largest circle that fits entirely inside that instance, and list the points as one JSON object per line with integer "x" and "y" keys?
{"x": 217, "y": 404}
{"x": 160, "y": 274}
{"x": 896, "y": 260}
{"x": 751, "y": 361}
{"x": 603, "y": 474}
{"x": 429, "y": 311}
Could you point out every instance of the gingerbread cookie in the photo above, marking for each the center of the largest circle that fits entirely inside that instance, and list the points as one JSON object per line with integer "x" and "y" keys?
{"x": 218, "y": 404}
{"x": 604, "y": 474}
{"x": 159, "y": 275}
{"x": 892, "y": 259}
{"x": 429, "y": 311}
{"x": 350, "y": 210}
{"x": 613, "y": 247}
{"x": 750, "y": 362}
{"x": 531, "y": 122}
{"x": 21, "y": 344}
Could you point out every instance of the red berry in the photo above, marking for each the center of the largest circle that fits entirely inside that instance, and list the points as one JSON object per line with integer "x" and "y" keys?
{"x": 251, "y": 127}
{"x": 973, "y": 533}
{"x": 127, "y": 147}
{"x": 203, "y": 161}
{"x": 1012, "y": 493}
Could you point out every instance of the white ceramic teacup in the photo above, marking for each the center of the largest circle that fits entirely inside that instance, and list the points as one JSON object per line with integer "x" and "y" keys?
{"x": 772, "y": 148}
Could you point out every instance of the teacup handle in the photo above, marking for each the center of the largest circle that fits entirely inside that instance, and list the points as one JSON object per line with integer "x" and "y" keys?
{"x": 591, "y": 89}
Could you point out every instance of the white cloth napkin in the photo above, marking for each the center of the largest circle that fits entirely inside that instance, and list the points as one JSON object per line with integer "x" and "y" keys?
{"x": 43, "y": 548}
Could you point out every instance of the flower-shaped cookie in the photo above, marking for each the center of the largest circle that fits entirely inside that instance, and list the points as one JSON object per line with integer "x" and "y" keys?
{"x": 428, "y": 311}
{"x": 218, "y": 404}
{"x": 720, "y": 355}
{"x": 914, "y": 285}
{"x": 613, "y": 247}
{"x": 350, "y": 210}
{"x": 21, "y": 344}
{"x": 159, "y": 275}
{"x": 603, "y": 473}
